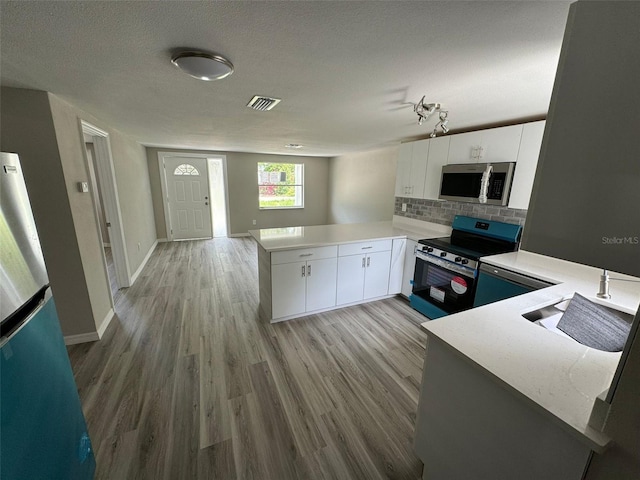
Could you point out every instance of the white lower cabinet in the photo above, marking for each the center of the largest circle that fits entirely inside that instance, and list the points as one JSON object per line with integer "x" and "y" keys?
{"x": 303, "y": 285}
{"x": 363, "y": 276}
{"x": 409, "y": 268}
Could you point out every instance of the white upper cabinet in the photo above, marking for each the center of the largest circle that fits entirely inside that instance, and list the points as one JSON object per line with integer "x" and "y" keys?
{"x": 438, "y": 154}
{"x": 412, "y": 166}
{"x": 494, "y": 145}
{"x": 403, "y": 171}
{"x": 462, "y": 148}
{"x": 526, "y": 166}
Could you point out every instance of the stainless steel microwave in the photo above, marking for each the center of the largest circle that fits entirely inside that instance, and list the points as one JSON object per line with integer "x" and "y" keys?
{"x": 487, "y": 183}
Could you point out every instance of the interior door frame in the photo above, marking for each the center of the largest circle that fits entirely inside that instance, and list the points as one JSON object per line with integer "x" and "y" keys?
{"x": 109, "y": 188}
{"x": 165, "y": 195}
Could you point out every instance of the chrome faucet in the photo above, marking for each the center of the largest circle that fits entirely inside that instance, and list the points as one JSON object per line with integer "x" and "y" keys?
{"x": 604, "y": 285}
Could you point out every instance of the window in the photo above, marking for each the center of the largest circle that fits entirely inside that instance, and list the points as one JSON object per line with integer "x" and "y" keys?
{"x": 186, "y": 169}
{"x": 280, "y": 185}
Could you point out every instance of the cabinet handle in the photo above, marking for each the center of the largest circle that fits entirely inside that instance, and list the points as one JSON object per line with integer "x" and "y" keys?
{"x": 308, "y": 270}
{"x": 368, "y": 261}
{"x": 306, "y": 254}
{"x": 303, "y": 267}
{"x": 362, "y": 262}
{"x": 366, "y": 248}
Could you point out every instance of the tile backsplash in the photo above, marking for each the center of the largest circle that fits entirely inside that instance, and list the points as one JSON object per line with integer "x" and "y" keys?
{"x": 443, "y": 212}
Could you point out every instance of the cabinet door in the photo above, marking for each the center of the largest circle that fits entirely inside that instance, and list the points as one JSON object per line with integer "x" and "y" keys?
{"x": 438, "y": 154}
{"x": 501, "y": 144}
{"x": 376, "y": 281}
{"x": 409, "y": 268}
{"x": 461, "y": 146}
{"x": 321, "y": 283}
{"x": 397, "y": 265}
{"x": 526, "y": 165}
{"x": 403, "y": 170}
{"x": 351, "y": 278}
{"x": 288, "y": 282}
{"x": 419, "y": 158}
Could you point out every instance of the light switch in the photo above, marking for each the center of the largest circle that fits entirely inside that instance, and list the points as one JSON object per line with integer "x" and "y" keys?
{"x": 83, "y": 187}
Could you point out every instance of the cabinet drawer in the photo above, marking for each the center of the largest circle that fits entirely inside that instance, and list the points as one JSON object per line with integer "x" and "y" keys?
{"x": 303, "y": 254}
{"x": 364, "y": 247}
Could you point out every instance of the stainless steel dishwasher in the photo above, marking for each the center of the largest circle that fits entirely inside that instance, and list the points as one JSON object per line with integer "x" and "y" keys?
{"x": 495, "y": 283}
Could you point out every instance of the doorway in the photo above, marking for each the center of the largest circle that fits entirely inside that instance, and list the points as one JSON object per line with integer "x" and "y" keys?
{"x": 105, "y": 194}
{"x": 194, "y": 189}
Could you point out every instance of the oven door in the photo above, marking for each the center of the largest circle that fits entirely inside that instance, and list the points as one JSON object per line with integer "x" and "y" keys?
{"x": 447, "y": 285}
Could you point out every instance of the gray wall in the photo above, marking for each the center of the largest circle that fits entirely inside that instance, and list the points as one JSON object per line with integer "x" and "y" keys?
{"x": 362, "y": 186}
{"x": 242, "y": 177}
{"x": 45, "y": 131}
{"x": 587, "y": 185}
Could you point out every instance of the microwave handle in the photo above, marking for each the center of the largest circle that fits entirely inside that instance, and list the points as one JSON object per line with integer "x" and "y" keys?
{"x": 484, "y": 184}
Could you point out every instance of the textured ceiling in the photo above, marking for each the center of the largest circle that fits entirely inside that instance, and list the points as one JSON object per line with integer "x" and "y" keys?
{"x": 344, "y": 70}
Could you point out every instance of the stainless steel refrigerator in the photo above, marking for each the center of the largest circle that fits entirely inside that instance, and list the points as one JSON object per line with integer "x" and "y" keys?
{"x": 43, "y": 434}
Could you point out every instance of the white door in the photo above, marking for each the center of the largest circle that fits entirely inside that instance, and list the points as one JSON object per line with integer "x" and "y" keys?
{"x": 321, "y": 283}
{"x": 350, "y": 278}
{"x": 501, "y": 144}
{"x": 376, "y": 280}
{"x": 403, "y": 170}
{"x": 188, "y": 200}
{"x": 288, "y": 289}
{"x": 419, "y": 157}
{"x": 461, "y": 147}
{"x": 438, "y": 154}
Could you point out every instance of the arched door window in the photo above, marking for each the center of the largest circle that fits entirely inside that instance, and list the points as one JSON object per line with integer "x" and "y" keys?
{"x": 186, "y": 169}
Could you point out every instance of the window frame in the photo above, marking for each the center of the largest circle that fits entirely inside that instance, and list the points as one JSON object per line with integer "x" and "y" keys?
{"x": 299, "y": 170}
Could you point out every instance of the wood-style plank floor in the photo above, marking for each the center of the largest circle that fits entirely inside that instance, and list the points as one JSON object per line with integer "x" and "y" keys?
{"x": 188, "y": 383}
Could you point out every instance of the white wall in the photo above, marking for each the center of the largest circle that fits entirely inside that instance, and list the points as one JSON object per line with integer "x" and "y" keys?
{"x": 362, "y": 186}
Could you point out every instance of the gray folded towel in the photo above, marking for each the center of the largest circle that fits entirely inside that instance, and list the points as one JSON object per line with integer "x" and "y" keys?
{"x": 594, "y": 325}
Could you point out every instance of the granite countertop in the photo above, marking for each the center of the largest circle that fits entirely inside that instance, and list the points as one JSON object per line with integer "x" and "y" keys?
{"x": 556, "y": 375}
{"x": 286, "y": 238}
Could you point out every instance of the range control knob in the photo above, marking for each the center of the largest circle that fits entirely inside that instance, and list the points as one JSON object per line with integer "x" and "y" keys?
{"x": 458, "y": 259}
{"x": 443, "y": 254}
{"x": 429, "y": 249}
{"x": 464, "y": 261}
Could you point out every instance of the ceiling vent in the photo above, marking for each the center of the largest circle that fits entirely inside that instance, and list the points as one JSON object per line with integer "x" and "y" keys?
{"x": 263, "y": 103}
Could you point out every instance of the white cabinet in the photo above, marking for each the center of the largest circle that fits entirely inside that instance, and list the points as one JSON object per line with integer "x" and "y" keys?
{"x": 409, "y": 267}
{"x": 437, "y": 158}
{"x": 363, "y": 271}
{"x": 526, "y": 165}
{"x": 411, "y": 170}
{"x": 493, "y": 145}
{"x": 397, "y": 265}
{"x": 301, "y": 284}
{"x": 462, "y": 148}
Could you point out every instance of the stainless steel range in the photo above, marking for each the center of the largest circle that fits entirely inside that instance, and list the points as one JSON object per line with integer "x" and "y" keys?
{"x": 446, "y": 271}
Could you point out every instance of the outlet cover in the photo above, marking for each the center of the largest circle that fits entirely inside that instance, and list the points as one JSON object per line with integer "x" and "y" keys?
{"x": 404, "y": 207}
{"x": 254, "y": 222}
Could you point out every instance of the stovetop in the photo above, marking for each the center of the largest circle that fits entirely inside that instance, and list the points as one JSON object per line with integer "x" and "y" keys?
{"x": 470, "y": 248}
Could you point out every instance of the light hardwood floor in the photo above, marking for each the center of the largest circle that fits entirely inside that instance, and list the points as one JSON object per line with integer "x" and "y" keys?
{"x": 187, "y": 383}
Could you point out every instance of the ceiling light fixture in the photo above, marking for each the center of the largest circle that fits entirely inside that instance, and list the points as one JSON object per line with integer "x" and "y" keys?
{"x": 425, "y": 110}
{"x": 202, "y": 65}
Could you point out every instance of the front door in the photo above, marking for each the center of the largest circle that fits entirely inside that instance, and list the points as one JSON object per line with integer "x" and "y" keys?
{"x": 188, "y": 202}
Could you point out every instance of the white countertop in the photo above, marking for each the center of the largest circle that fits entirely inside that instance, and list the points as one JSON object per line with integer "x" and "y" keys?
{"x": 274, "y": 239}
{"x": 557, "y": 375}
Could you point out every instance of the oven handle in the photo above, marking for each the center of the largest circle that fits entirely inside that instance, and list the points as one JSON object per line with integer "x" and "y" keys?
{"x": 462, "y": 270}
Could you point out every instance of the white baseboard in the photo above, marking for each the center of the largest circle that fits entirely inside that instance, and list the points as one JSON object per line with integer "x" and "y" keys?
{"x": 135, "y": 276}
{"x": 163, "y": 240}
{"x": 108, "y": 245}
{"x": 235, "y": 235}
{"x": 81, "y": 338}
{"x": 105, "y": 323}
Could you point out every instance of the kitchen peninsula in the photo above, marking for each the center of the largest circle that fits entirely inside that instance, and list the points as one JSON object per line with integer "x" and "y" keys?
{"x": 511, "y": 397}
{"x": 306, "y": 270}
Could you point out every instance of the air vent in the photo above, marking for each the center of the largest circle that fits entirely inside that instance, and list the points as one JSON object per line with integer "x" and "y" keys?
{"x": 263, "y": 103}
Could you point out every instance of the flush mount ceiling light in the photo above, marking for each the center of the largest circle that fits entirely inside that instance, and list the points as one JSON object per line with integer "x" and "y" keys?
{"x": 202, "y": 65}
{"x": 425, "y": 110}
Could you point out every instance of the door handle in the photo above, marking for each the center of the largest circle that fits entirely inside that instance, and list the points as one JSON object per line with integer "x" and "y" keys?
{"x": 308, "y": 270}
{"x": 206, "y": 203}
{"x": 206, "y": 198}
{"x": 362, "y": 262}
{"x": 303, "y": 270}
{"x": 368, "y": 261}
